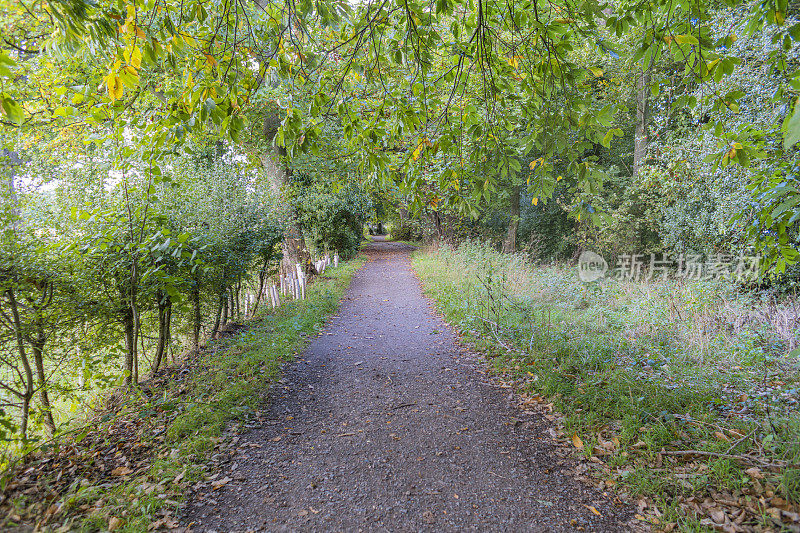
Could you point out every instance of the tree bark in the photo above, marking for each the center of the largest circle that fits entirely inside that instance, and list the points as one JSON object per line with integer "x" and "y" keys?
{"x": 37, "y": 340}
{"x": 225, "y": 305}
{"x": 510, "y": 242}
{"x": 437, "y": 224}
{"x": 44, "y": 398}
{"x": 640, "y": 139}
{"x": 218, "y": 316}
{"x": 164, "y": 318}
{"x": 130, "y": 346}
{"x": 262, "y": 279}
{"x": 274, "y": 162}
{"x": 27, "y": 394}
{"x": 198, "y": 317}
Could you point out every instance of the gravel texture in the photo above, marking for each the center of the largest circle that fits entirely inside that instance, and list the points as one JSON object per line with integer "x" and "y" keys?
{"x": 386, "y": 424}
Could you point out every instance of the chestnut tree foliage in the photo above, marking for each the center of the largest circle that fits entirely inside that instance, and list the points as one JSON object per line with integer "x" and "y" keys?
{"x": 148, "y": 139}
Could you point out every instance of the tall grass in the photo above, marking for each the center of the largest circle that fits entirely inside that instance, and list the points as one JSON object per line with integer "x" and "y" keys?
{"x": 663, "y": 366}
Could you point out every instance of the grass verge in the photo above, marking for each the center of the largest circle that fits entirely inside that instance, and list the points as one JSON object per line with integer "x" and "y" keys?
{"x": 699, "y": 425}
{"x": 130, "y": 468}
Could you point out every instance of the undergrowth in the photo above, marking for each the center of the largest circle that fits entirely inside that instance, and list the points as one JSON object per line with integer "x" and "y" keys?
{"x": 177, "y": 421}
{"x": 672, "y": 394}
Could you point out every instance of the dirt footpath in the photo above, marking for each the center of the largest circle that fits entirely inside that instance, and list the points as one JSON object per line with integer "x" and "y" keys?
{"x": 385, "y": 424}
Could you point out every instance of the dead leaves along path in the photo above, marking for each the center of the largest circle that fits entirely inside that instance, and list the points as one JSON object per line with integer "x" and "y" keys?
{"x": 386, "y": 424}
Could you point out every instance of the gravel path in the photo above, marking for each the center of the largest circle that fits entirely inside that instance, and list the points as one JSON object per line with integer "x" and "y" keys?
{"x": 386, "y": 424}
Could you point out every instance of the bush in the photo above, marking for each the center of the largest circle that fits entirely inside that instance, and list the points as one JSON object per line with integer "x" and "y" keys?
{"x": 332, "y": 217}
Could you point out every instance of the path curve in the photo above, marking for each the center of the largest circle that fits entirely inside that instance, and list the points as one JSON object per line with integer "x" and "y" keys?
{"x": 385, "y": 424}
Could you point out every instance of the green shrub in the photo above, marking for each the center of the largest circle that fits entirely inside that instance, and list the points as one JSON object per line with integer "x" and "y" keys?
{"x": 332, "y": 215}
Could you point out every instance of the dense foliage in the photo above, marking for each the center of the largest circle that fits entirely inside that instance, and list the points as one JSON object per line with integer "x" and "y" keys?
{"x": 162, "y": 149}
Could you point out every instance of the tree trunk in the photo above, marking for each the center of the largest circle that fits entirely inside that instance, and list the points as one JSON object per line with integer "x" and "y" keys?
{"x": 27, "y": 394}
{"x": 278, "y": 172}
{"x": 44, "y": 398}
{"x": 262, "y": 279}
{"x": 510, "y": 242}
{"x": 130, "y": 346}
{"x": 225, "y": 306}
{"x": 198, "y": 318}
{"x": 437, "y": 224}
{"x": 164, "y": 317}
{"x": 218, "y": 316}
{"x": 642, "y": 116}
{"x": 236, "y": 294}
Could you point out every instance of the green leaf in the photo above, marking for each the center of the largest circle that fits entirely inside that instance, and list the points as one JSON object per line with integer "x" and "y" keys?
{"x": 686, "y": 39}
{"x": 792, "y": 127}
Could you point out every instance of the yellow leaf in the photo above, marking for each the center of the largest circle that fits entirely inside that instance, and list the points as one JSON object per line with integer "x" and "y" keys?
{"x": 117, "y": 89}
{"x": 596, "y": 71}
{"x": 136, "y": 57}
{"x": 210, "y": 59}
{"x": 559, "y": 178}
{"x": 535, "y": 201}
{"x": 593, "y": 510}
{"x": 109, "y": 79}
{"x": 576, "y": 440}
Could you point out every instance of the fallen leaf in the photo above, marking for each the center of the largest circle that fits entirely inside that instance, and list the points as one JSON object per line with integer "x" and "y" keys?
{"x": 121, "y": 471}
{"x": 593, "y": 510}
{"x": 721, "y": 436}
{"x": 754, "y": 472}
{"x": 576, "y": 440}
{"x": 718, "y": 516}
{"x": 114, "y": 523}
{"x": 216, "y": 485}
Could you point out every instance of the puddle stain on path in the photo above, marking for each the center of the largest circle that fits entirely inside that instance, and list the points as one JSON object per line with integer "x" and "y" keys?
{"x": 384, "y": 424}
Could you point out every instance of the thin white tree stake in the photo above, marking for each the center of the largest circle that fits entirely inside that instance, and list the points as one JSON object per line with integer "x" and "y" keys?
{"x": 275, "y": 297}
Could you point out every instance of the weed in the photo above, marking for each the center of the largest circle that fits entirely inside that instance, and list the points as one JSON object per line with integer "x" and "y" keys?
{"x": 663, "y": 366}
